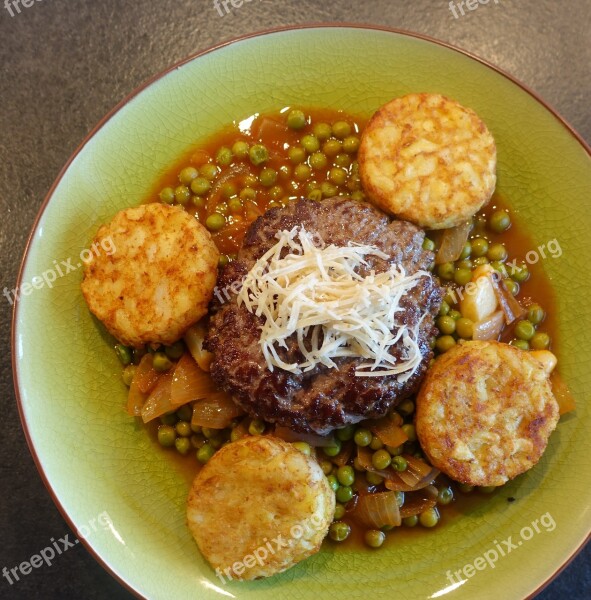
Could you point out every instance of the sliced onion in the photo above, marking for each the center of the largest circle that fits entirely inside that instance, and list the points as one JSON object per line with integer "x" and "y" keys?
{"x": 377, "y": 510}
{"x": 389, "y": 433}
{"x": 489, "y": 328}
{"x": 270, "y": 130}
{"x": 342, "y": 458}
{"x": 189, "y": 382}
{"x": 417, "y": 476}
{"x": 415, "y": 505}
{"x": 194, "y": 338}
{"x": 452, "y": 243}
{"x": 289, "y": 435}
{"x": 216, "y": 191}
{"x": 135, "y": 400}
{"x": 511, "y": 308}
{"x": 216, "y": 411}
{"x": 158, "y": 403}
{"x": 564, "y": 397}
{"x": 146, "y": 376}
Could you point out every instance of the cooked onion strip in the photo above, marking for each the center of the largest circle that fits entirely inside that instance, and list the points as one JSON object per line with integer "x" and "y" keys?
{"x": 189, "y": 382}
{"x": 452, "y": 243}
{"x": 511, "y": 308}
{"x": 489, "y": 328}
{"x": 389, "y": 433}
{"x": 377, "y": 510}
{"x": 158, "y": 403}
{"x": 305, "y": 288}
{"x": 216, "y": 411}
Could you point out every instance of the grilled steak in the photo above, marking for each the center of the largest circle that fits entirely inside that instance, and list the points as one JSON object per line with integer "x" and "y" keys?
{"x": 324, "y": 398}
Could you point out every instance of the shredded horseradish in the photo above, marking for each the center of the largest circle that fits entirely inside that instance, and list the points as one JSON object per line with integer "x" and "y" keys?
{"x": 302, "y": 286}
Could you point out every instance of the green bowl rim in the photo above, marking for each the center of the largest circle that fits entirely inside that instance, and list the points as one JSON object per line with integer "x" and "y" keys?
{"x": 313, "y": 25}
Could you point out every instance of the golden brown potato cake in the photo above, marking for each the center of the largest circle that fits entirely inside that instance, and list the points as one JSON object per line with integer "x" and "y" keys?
{"x": 427, "y": 159}
{"x": 258, "y": 507}
{"x": 159, "y": 278}
{"x": 485, "y": 412}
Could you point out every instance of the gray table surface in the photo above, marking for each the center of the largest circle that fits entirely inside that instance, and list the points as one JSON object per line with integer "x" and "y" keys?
{"x": 67, "y": 63}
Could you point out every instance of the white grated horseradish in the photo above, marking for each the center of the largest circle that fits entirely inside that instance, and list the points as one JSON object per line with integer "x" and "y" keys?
{"x": 314, "y": 292}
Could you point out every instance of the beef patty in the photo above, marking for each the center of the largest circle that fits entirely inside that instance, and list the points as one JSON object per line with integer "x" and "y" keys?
{"x": 321, "y": 399}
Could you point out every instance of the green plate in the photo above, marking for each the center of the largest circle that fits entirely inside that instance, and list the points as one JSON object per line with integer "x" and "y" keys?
{"x": 98, "y": 462}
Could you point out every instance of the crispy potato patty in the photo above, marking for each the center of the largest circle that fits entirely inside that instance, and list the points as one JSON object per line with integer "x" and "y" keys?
{"x": 258, "y": 507}
{"x": 485, "y": 412}
{"x": 427, "y": 159}
{"x": 158, "y": 280}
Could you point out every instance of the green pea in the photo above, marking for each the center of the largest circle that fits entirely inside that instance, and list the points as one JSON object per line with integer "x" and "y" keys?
{"x": 479, "y": 247}
{"x": 224, "y": 156}
{"x": 428, "y": 244}
{"x": 351, "y": 144}
{"x": 209, "y": 171}
{"x": 205, "y": 453}
{"x": 429, "y": 518}
{"x": 184, "y": 413}
{"x": 166, "y": 436}
{"x": 535, "y": 314}
{"x": 374, "y": 538}
{"x": 187, "y": 175}
{"x": 333, "y": 482}
{"x": 410, "y": 521}
{"x": 235, "y": 205}
{"x": 183, "y": 428}
{"x": 296, "y": 119}
{"x": 322, "y": 131}
{"x": 161, "y": 362}
{"x": 183, "y": 445}
{"x": 466, "y": 251}
{"x": 344, "y": 494}
{"x": 358, "y": 196}
{"x": 512, "y": 286}
{"x": 240, "y": 149}
{"x": 197, "y": 441}
{"x": 328, "y": 189}
{"x": 407, "y": 408}
{"x": 373, "y": 478}
{"x": 497, "y": 252}
{"x": 339, "y": 531}
{"x": 445, "y": 496}
{"x": 296, "y": 155}
{"x": 124, "y": 354}
{"x": 363, "y": 437}
{"x": 303, "y": 447}
{"x": 310, "y": 143}
{"x": 200, "y": 186}
{"x": 223, "y": 260}
{"x": 332, "y": 147}
{"x": 339, "y": 511}
{"x": 381, "y": 459}
{"x": 399, "y": 463}
{"x": 302, "y": 172}
{"x": 182, "y": 194}
{"x": 521, "y": 344}
{"x": 540, "y": 341}
{"x": 410, "y": 432}
{"x": 258, "y": 154}
{"x": 315, "y": 195}
{"x": 445, "y": 343}
{"x": 346, "y": 433}
{"x": 334, "y": 449}
{"x": 342, "y": 160}
{"x": 462, "y": 276}
{"x": 326, "y": 466}
{"x": 129, "y": 374}
{"x": 446, "y": 325}
{"x": 481, "y": 260}
{"x": 454, "y": 314}
{"x": 524, "y": 330}
{"x": 466, "y": 263}
{"x": 376, "y": 443}
{"x": 341, "y": 129}
{"x": 446, "y": 271}
{"x": 337, "y": 176}
{"x": 215, "y": 222}
{"x": 169, "y": 418}
{"x": 499, "y": 221}
{"x": 176, "y": 350}
{"x": 247, "y": 194}
{"x": 318, "y": 161}
{"x": 519, "y": 273}
{"x": 465, "y": 328}
{"x": 229, "y": 190}
{"x": 500, "y": 267}
{"x": 268, "y": 177}
{"x": 167, "y": 195}
{"x": 444, "y": 308}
